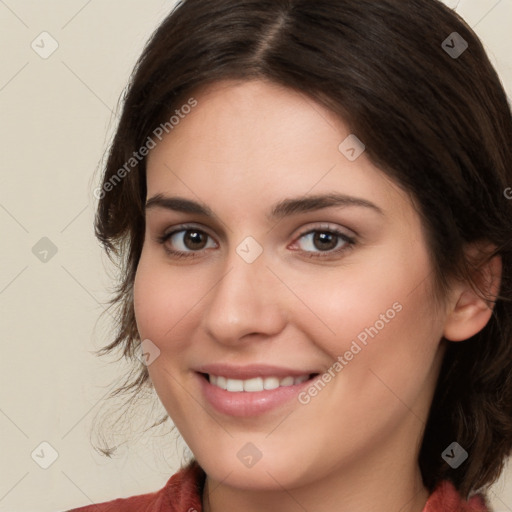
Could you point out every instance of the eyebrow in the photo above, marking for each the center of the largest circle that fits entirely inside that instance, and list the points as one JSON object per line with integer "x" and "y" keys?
{"x": 284, "y": 208}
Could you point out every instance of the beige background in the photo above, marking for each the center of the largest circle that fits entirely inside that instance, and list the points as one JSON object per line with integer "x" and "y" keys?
{"x": 56, "y": 116}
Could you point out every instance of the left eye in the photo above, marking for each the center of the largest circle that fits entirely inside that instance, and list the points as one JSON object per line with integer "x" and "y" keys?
{"x": 324, "y": 241}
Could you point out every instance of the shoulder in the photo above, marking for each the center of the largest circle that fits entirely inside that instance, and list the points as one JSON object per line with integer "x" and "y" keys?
{"x": 182, "y": 493}
{"x": 446, "y": 499}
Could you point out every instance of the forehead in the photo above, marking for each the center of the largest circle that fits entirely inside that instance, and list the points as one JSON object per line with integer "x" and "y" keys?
{"x": 252, "y": 115}
{"x": 252, "y": 142}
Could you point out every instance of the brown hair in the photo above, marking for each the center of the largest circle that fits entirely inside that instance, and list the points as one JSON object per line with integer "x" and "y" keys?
{"x": 439, "y": 125}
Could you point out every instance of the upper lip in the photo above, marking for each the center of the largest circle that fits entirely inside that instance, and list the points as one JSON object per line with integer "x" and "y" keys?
{"x": 251, "y": 371}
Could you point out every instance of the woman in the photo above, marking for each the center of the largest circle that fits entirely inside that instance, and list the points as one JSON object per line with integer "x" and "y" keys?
{"x": 308, "y": 199}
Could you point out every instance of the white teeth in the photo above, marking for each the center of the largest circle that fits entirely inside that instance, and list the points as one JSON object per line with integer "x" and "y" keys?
{"x": 221, "y": 382}
{"x": 255, "y": 384}
{"x": 234, "y": 385}
{"x": 287, "y": 381}
{"x": 271, "y": 383}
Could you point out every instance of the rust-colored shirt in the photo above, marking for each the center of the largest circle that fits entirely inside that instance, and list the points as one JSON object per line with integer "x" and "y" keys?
{"x": 183, "y": 493}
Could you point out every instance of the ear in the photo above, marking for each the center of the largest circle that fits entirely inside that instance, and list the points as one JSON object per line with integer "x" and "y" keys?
{"x": 470, "y": 308}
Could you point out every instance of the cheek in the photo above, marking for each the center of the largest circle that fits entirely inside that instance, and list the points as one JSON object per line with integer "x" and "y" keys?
{"x": 379, "y": 317}
{"x": 164, "y": 311}
{"x": 381, "y": 291}
{"x": 163, "y": 299}
{"x": 383, "y": 367}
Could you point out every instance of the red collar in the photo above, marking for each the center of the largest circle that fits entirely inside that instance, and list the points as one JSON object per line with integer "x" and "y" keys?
{"x": 183, "y": 493}
{"x": 190, "y": 486}
{"x": 446, "y": 499}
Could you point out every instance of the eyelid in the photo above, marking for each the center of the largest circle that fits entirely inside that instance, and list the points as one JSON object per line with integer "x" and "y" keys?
{"x": 350, "y": 234}
{"x": 305, "y": 231}
{"x": 185, "y": 227}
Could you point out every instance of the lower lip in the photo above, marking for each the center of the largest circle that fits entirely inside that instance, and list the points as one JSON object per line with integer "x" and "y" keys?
{"x": 243, "y": 403}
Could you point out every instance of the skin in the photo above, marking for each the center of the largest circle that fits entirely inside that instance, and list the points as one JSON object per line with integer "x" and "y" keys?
{"x": 245, "y": 147}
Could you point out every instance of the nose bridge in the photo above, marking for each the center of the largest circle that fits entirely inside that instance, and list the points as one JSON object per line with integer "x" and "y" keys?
{"x": 239, "y": 302}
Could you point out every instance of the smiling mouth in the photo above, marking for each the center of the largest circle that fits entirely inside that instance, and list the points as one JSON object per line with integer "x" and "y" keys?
{"x": 255, "y": 384}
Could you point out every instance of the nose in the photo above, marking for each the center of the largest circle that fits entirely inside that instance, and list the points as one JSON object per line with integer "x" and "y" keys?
{"x": 245, "y": 303}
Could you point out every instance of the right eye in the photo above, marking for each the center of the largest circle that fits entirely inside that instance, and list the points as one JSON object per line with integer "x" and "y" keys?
{"x": 184, "y": 242}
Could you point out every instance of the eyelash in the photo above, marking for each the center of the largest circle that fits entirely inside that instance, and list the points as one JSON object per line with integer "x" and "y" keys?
{"x": 349, "y": 242}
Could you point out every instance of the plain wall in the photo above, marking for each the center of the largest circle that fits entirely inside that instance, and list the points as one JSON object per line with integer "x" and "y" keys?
{"x": 57, "y": 115}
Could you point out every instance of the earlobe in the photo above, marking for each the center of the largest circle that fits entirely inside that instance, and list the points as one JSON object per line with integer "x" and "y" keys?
{"x": 472, "y": 307}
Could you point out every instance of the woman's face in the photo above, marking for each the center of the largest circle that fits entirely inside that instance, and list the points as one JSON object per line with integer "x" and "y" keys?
{"x": 284, "y": 256}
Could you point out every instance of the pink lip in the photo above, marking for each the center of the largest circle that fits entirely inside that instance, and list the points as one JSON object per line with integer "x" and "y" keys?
{"x": 245, "y": 404}
{"x": 251, "y": 371}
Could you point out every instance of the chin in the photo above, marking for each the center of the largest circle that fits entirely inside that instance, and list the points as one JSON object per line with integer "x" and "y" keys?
{"x": 244, "y": 466}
